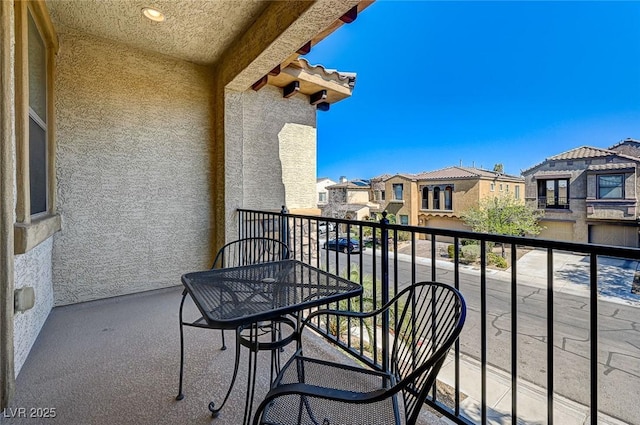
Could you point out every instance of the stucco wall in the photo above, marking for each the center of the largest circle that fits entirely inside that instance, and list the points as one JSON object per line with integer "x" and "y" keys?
{"x": 133, "y": 169}
{"x": 270, "y": 152}
{"x": 32, "y": 269}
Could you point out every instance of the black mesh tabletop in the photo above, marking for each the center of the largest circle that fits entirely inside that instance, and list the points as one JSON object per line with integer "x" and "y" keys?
{"x": 236, "y": 296}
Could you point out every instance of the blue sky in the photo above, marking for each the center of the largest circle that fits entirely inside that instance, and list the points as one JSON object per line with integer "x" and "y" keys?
{"x": 483, "y": 83}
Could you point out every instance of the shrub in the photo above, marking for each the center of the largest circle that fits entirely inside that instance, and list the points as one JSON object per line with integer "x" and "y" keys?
{"x": 493, "y": 258}
{"x": 451, "y": 250}
{"x": 470, "y": 253}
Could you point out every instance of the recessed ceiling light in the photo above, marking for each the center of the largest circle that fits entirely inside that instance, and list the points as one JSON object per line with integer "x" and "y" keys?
{"x": 153, "y": 14}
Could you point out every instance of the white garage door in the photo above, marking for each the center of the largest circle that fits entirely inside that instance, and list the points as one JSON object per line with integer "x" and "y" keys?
{"x": 607, "y": 234}
{"x": 556, "y": 230}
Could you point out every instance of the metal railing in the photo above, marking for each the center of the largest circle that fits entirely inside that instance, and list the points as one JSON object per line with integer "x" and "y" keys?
{"x": 553, "y": 203}
{"x": 520, "y": 323}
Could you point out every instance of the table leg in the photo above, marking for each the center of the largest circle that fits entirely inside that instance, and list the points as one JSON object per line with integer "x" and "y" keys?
{"x": 251, "y": 372}
{"x": 212, "y": 406}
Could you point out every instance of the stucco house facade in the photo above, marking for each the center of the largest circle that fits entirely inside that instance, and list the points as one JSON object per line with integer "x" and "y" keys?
{"x": 588, "y": 194}
{"x": 127, "y": 145}
{"x": 438, "y": 198}
{"x": 321, "y": 190}
{"x": 348, "y": 199}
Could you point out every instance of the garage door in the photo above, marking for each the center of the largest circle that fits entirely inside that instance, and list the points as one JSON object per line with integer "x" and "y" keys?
{"x": 556, "y": 230}
{"x": 608, "y": 234}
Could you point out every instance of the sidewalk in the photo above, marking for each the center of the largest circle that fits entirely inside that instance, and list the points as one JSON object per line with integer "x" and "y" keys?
{"x": 571, "y": 275}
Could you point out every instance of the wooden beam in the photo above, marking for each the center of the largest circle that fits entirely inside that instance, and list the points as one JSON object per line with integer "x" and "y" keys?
{"x": 323, "y": 106}
{"x": 317, "y": 97}
{"x": 275, "y": 71}
{"x": 350, "y": 16}
{"x": 304, "y": 50}
{"x": 291, "y": 89}
{"x": 260, "y": 83}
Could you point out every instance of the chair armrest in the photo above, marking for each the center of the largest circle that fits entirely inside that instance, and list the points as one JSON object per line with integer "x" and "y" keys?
{"x": 318, "y": 392}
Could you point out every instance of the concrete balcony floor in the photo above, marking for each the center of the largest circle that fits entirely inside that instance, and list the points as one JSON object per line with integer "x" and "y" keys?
{"x": 116, "y": 361}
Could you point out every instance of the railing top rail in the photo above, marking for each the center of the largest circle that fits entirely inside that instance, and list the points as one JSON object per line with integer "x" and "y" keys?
{"x": 605, "y": 250}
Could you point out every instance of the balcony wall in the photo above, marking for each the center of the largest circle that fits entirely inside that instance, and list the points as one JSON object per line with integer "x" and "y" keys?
{"x": 133, "y": 169}
{"x": 270, "y": 152}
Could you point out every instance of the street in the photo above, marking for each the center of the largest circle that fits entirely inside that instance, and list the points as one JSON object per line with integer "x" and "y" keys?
{"x": 618, "y": 333}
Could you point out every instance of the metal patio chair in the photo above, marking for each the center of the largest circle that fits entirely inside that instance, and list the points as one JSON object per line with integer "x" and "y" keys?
{"x": 429, "y": 317}
{"x": 241, "y": 252}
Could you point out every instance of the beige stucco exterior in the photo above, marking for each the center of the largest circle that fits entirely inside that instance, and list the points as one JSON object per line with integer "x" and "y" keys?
{"x": 465, "y": 193}
{"x": 147, "y": 148}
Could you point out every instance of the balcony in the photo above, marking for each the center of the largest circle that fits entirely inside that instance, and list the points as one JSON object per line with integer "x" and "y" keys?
{"x": 546, "y": 338}
{"x": 559, "y": 203}
{"x": 571, "y": 306}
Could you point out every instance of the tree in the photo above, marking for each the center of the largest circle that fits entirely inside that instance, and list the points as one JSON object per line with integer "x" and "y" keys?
{"x": 503, "y": 215}
{"x": 498, "y": 168}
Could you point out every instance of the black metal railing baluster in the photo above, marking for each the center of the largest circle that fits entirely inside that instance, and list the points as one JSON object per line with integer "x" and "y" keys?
{"x": 483, "y": 328}
{"x": 384, "y": 264}
{"x": 593, "y": 331}
{"x": 550, "y": 336}
{"x": 514, "y": 334}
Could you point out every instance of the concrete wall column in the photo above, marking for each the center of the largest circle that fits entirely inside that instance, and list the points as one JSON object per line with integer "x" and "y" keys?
{"x": 7, "y": 201}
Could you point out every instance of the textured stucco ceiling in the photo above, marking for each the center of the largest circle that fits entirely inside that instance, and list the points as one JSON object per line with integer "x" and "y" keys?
{"x": 194, "y": 30}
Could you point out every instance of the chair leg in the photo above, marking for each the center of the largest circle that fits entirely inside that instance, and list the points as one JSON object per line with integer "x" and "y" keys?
{"x": 224, "y": 346}
{"x": 180, "y": 395}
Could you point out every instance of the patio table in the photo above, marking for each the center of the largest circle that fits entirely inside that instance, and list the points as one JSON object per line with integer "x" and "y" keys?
{"x": 243, "y": 298}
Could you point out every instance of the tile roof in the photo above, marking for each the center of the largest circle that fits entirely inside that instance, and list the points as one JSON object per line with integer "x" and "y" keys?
{"x": 612, "y": 166}
{"x": 582, "y": 152}
{"x": 457, "y": 172}
{"x": 341, "y": 77}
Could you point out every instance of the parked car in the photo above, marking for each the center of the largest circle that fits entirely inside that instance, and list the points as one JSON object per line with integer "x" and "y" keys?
{"x": 323, "y": 227}
{"x": 343, "y": 244}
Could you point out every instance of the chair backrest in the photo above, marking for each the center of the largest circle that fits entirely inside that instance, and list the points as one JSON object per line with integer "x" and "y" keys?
{"x": 429, "y": 317}
{"x": 249, "y": 251}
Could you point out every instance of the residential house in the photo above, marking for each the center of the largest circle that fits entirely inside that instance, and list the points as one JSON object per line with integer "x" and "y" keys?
{"x": 321, "y": 190}
{"x": 127, "y": 145}
{"x": 348, "y": 199}
{"x": 438, "y": 198}
{"x": 588, "y": 194}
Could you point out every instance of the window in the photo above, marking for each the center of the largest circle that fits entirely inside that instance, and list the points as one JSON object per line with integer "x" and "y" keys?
{"x": 382, "y": 195}
{"x": 425, "y": 198}
{"x": 404, "y": 219}
{"x": 397, "y": 192}
{"x": 611, "y": 186}
{"x": 500, "y": 187}
{"x": 448, "y": 198}
{"x": 553, "y": 193}
{"x": 436, "y": 198}
{"x": 322, "y": 197}
{"x": 517, "y": 194}
{"x": 507, "y": 187}
{"x": 493, "y": 187}
{"x": 36, "y": 46}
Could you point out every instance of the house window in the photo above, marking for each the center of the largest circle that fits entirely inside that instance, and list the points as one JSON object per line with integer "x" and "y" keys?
{"x": 404, "y": 219}
{"x": 500, "y": 187}
{"x": 448, "y": 198}
{"x": 553, "y": 193}
{"x": 36, "y": 46}
{"x": 507, "y": 188}
{"x": 611, "y": 186}
{"x": 397, "y": 192}
{"x": 425, "y": 198}
{"x": 436, "y": 198}
{"x": 37, "y": 60}
{"x": 322, "y": 197}
{"x": 517, "y": 194}
{"x": 493, "y": 187}
{"x": 382, "y": 195}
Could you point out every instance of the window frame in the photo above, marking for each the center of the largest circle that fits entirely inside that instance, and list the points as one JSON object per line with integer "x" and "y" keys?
{"x": 543, "y": 188}
{"x": 32, "y": 229}
{"x": 394, "y": 186}
{"x": 599, "y": 186}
